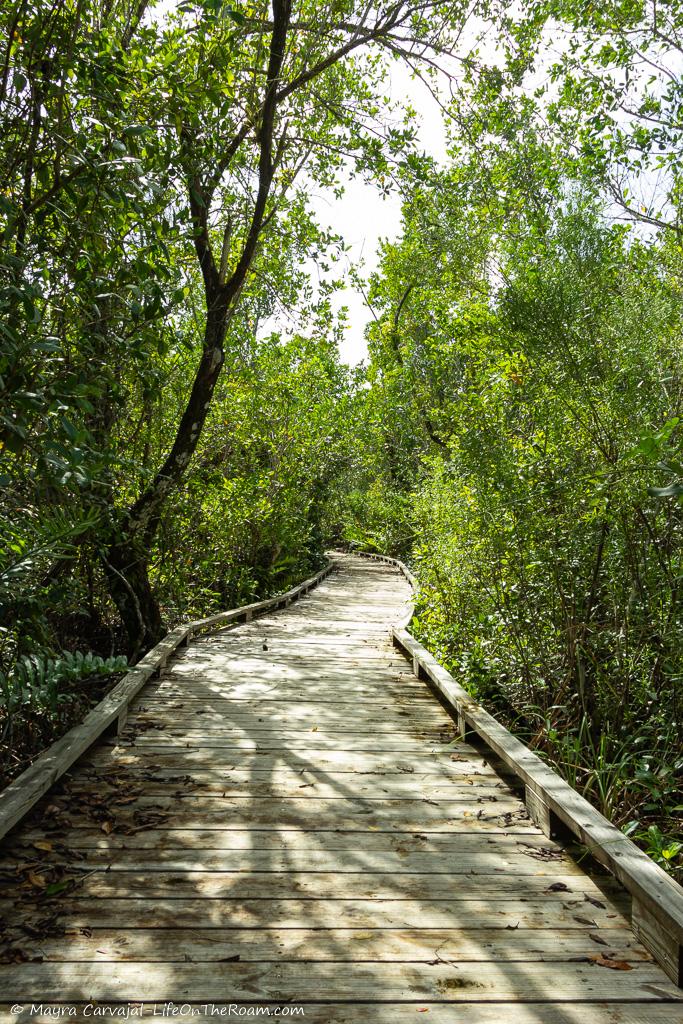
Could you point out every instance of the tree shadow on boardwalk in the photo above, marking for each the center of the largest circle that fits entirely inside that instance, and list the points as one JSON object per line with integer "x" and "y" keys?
{"x": 304, "y": 820}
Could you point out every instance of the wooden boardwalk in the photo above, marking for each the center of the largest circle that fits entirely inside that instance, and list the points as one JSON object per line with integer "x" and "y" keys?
{"x": 289, "y": 820}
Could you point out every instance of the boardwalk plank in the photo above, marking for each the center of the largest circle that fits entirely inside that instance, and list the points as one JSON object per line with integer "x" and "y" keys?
{"x": 510, "y": 982}
{"x": 176, "y": 945}
{"x": 509, "y": 914}
{"x": 472, "y": 860}
{"x": 321, "y": 885}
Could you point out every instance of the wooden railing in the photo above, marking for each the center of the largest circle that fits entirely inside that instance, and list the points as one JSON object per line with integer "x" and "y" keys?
{"x": 657, "y": 900}
{"x": 20, "y": 795}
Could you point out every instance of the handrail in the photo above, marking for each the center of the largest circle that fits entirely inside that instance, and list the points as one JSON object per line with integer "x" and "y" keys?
{"x": 657, "y": 900}
{"x": 22, "y": 793}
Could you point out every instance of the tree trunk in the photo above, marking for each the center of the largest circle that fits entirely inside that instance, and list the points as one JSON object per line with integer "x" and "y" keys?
{"x": 126, "y": 561}
{"x": 126, "y": 569}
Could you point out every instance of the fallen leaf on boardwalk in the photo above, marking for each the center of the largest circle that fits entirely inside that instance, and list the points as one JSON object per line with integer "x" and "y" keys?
{"x": 558, "y": 887}
{"x": 107, "y": 827}
{"x": 597, "y": 938}
{"x": 42, "y": 844}
{"x": 596, "y": 903}
{"x": 55, "y": 888}
{"x": 38, "y": 880}
{"x": 586, "y": 920}
{"x": 614, "y": 965}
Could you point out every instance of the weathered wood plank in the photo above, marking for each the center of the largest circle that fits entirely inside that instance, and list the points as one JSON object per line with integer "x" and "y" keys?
{"x": 355, "y": 945}
{"x": 340, "y": 700}
{"x": 506, "y": 814}
{"x": 321, "y": 885}
{"x": 444, "y": 982}
{"x": 545, "y": 912}
{"x": 451, "y": 846}
{"x": 209, "y": 783}
{"x": 311, "y": 742}
{"x": 314, "y": 761}
{"x": 298, "y": 741}
{"x": 262, "y": 729}
{"x": 265, "y": 719}
{"x": 468, "y": 859}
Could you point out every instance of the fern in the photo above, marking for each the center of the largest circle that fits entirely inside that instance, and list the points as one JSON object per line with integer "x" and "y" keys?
{"x": 38, "y": 681}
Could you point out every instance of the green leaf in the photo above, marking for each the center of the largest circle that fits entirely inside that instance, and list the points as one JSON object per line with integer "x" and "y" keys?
{"x": 672, "y": 491}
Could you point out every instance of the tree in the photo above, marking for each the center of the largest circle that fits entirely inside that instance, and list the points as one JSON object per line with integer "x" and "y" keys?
{"x": 193, "y": 131}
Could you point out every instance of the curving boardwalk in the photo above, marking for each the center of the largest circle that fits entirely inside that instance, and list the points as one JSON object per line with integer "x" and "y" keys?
{"x": 289, "y": 819}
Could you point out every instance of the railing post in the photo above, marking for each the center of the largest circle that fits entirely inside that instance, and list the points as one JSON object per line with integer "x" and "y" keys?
{"x": 664, "y": 945}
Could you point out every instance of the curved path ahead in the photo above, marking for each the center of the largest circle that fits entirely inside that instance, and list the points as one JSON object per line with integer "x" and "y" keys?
{"x": 290, "y": 819}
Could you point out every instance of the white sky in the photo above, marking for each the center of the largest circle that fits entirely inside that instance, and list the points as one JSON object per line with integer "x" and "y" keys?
{"x": 364, "y": 217}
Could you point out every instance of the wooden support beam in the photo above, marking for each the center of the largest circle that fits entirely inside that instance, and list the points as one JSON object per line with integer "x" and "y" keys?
{"x": 663, "y": 943}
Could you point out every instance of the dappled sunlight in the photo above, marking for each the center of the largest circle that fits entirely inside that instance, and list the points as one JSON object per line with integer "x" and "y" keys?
{"x": 316, "y": 830}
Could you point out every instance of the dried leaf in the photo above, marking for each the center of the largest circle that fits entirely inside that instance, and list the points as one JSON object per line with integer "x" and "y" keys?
{"x": 597, "y": 938}
{"x": 42, "y": 844}
{"x": 613, "y": 965}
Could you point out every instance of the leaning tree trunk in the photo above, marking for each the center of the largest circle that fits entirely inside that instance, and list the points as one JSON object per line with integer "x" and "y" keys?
{"x": 126, "y": 561}
{"x": 126, "y": 570}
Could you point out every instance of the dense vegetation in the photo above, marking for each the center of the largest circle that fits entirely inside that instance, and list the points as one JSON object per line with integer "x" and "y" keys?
{"x": 178, "y": 434}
